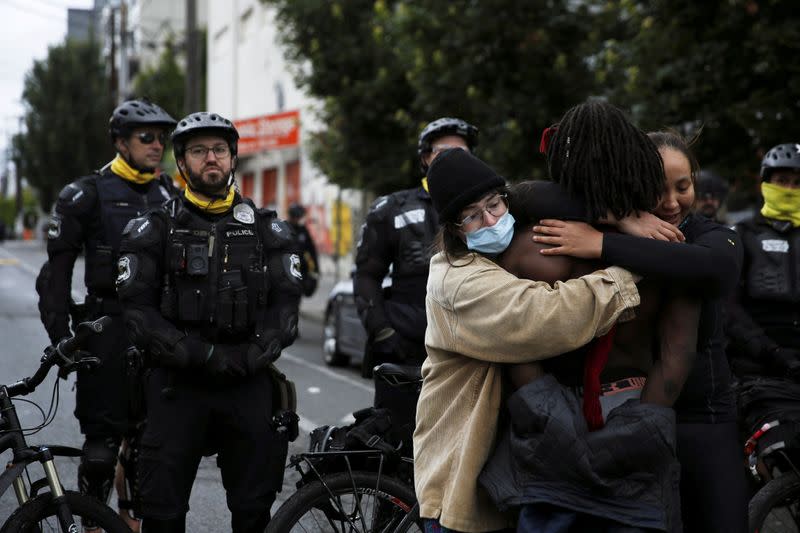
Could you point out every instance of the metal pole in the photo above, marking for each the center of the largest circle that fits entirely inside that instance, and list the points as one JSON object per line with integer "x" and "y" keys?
{"x": 191, "y": 90}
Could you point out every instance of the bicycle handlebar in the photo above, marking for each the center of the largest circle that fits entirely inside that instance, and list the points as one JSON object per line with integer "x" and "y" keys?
{"x": 60, "y": 355}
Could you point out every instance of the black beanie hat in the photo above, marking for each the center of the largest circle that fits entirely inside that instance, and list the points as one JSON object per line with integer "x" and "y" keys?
{"x": 456, "y": 178}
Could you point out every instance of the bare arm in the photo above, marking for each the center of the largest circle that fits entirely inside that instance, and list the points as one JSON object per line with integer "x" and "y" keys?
{"x": 677, "y": 332}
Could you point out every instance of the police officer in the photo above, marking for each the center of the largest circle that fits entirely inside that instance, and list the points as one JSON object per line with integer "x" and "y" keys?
{"x": 210, "y": 291}
{"x": 89, "y": 215}
{"x": 305, "y": 248}
{"x": 764, "y": 324}
{"x": 711, "y": 191}
{"x": 398, "y": 233}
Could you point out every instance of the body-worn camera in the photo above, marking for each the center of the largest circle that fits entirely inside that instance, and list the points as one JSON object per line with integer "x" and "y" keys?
{"x": 197, "y": 259}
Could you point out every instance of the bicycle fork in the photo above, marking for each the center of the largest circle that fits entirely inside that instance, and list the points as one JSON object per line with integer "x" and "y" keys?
{"x": 63, "y": 512}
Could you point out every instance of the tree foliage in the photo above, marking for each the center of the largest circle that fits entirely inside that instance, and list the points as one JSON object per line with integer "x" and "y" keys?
{"x": 163, "y": 83}
{"x": 384, "y": 68}
{"x": 725, "y": 69}
{"x": 66, "y": 118}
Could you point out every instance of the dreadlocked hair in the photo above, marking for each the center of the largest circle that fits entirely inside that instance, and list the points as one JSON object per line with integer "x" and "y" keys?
{"x": 597, "y": 154}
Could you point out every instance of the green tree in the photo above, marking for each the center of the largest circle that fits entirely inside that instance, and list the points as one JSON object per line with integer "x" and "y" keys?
{"x": 726, "y": 67}
{"x": 340, "y": 59}
{"x": 66, "y": 118}
{"x": 511, "y": 68}
{"x": 163, "y": 82}
{"x": 383, "y": 69}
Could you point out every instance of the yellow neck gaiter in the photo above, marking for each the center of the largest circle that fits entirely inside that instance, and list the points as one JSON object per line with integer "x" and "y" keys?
{"x": 425, "y": 184}
{"x": 781, "y": 203}
{"x": 215, "y": 206}
{"x": 121, "y": 168}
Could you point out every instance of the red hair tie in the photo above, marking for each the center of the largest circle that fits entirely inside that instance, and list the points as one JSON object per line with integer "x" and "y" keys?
{"x": 546, "y": 135}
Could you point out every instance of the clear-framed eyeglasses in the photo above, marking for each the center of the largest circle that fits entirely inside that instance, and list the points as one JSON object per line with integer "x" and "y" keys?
{"x": 436, "y": 148}
{"x": 221, "y": 151}
{"x": 496, "y": 205}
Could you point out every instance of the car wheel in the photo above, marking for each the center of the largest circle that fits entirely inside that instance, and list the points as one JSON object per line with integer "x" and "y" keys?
{"x": 330, "y": 338}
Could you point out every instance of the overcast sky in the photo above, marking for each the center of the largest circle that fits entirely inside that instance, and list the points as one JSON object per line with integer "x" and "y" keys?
{"x": 29, "y": 27}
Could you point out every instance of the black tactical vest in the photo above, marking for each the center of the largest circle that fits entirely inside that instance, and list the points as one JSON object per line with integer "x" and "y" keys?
{"x": 773, "y": 272}
{"x": 118, "y": 204}
{"x": 217, "y": 279}
{"x": 416, "y": 223}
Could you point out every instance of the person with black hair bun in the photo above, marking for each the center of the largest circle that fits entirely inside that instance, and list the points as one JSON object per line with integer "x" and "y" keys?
{"x": 713, "y": 485}
{"x": 480, "y": 318}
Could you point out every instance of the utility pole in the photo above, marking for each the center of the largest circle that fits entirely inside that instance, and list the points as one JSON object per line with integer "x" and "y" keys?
{"x": 124, "y": 63}
{"x": 112, "y": 79}
{"x": 191, "y": 90}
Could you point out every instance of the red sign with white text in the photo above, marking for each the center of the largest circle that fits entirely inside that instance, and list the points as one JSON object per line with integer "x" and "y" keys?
{"x": 281, "y": 130}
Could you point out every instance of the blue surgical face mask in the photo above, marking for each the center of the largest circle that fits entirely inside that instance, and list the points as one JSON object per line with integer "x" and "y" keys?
{"x": 492, "y": 239}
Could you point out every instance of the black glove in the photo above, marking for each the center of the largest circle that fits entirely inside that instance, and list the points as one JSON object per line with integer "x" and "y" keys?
{"x": 226, "y": 361}
{"x": 785, "y": 361}
{"x": 258, "y": 359}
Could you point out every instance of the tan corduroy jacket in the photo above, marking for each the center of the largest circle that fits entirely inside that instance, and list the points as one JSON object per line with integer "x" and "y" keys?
{"x": 480, "y": 316}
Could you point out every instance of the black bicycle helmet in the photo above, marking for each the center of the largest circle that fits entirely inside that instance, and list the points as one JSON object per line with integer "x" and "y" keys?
{"x": 134, "y": 113}
{"x": 711, "y": 184}
{"x": 203, "y": 123}
{"x": 446, "y": 126}
{"x": 781, "y": 156}
{"x": 297, "y": 211}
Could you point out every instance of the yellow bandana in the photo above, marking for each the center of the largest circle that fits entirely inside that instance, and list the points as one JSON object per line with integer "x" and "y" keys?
{"x": 425, "y": 184}
{"x": 121, "y": 168}
{"x": 215, "y": 206}
{"x": 781, "y": 203}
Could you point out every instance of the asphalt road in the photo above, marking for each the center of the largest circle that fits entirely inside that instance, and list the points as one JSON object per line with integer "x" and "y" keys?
{"x": 325, "y": 395}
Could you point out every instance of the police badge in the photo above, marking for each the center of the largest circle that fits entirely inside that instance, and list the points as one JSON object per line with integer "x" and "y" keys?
{"x": 244, "y": 213}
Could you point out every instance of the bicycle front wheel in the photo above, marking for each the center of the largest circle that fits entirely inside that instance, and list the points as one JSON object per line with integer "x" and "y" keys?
{"x": 776, "y": 507}
{"x": 39, "y": 515}
{"x": 357, "y": 503}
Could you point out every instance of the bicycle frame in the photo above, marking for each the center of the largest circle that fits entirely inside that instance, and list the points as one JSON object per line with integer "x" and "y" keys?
{"x": 24, "y": 455}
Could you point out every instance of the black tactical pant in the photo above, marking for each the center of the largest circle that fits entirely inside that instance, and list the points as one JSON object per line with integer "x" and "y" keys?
{"x": 103, "y": 408}
{"x": 189, "y": 416}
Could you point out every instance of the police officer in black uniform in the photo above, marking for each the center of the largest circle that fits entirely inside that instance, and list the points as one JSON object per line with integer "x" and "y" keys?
{"x": 398, "y": 233}
{"x": 89, "y": 215}
{"x": 764, "y": 324}
{"x": 711, "y": 191}
{"x": 305, "y": 248}
{"x": 210, "y": 290}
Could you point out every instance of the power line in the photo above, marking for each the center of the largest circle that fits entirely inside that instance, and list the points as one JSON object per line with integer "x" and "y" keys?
{"x": 27, "y": 9}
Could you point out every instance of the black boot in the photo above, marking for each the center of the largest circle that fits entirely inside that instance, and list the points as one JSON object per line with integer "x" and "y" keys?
{"x": 170, "y": 525}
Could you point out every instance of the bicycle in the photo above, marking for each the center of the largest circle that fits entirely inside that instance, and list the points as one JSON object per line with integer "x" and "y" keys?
{"x": 55, "y": 507}
{"x": 773, "y": 454}
{"x": 359, "y": 478}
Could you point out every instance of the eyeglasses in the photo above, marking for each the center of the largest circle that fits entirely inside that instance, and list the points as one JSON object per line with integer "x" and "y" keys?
{"x": 147, "y": 137}
{"x": 496, "y": 206}
{"x": 221, "y": 151}
{"x": 435, "y": 149}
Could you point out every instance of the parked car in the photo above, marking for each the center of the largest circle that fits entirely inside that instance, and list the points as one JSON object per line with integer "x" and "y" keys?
{"x": 343, "y": 336}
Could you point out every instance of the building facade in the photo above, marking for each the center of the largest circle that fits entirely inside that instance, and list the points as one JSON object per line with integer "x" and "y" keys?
{"x": 249, "y": 81}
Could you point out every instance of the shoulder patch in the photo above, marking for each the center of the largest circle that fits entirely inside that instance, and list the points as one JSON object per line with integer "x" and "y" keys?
{"x": 54, "y": 227}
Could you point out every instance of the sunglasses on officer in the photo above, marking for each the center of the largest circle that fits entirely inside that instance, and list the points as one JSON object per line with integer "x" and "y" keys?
{"x": 147, "y": 137}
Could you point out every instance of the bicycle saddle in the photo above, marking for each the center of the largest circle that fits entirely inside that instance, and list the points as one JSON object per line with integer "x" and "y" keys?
{"x": 395, "y": 374}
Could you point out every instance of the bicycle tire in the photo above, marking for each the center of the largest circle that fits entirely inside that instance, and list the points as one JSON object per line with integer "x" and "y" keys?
{"x": 785, "y": 488}
{"x": 395, "y": 498}
{"x": 27, "y": 517}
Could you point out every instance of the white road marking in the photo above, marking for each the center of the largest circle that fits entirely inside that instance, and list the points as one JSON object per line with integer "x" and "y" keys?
{"x": 330, "y": 373}
{"x": 313, "y": 390}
